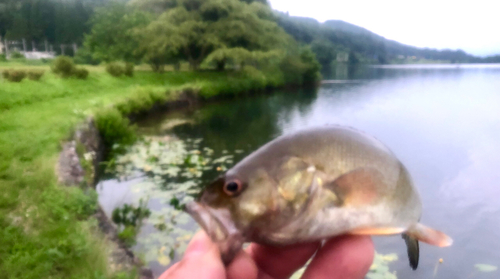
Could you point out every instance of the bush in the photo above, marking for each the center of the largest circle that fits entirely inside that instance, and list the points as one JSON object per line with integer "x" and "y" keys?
{"x": 35, "y": 74}
{"x": 312, "y": 67}
{"x": 81, "y": 73}
{"x": 63, "y": 66}
{"x": 16, "y": 55}
{"x": 114, "y": 128}
{"x": 46, "y": 60}
{"x": 129, "y": 69}
{"x": 84, "y": 56}
{"x": 115, "y": 69}
{"x": 3, "y": 58}
{"x": 5, "y": 74}
{"x": 301, "y": 69}
{"x": 16, "y": 75}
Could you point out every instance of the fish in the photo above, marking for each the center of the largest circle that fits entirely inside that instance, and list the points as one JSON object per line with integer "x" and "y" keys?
{"x": 312, "y": 185}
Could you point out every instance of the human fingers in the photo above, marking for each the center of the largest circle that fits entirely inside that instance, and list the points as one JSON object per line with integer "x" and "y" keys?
{"x": 242, "y": 267}
{"x": 347, "y": 257}
{"x": 201, "y": 260}
{"x": 281, "y": 262}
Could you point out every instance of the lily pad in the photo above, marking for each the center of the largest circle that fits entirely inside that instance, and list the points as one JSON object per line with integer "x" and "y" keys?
{"x": 486, "y": 267}
{"x": 380, "y": 267}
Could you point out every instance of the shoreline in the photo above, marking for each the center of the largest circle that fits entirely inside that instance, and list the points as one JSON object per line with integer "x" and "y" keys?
{"x": 85, "y": 150}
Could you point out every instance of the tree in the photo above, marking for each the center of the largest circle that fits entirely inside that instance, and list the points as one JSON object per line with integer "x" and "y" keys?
{"x": 195, "y": 28}
{"x": 56, "y": 21}
{"x": 178, "y": 34}
{"x": 324, "y": 50}
{"x": 113, "y": 32}
{"x": 160, "y": 43}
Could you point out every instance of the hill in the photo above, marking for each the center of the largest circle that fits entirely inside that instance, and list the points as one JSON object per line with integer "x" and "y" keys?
{"x": 336, "y": 36}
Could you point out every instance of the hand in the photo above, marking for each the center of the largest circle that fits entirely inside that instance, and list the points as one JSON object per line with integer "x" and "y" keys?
{"x": 347, "y": 257}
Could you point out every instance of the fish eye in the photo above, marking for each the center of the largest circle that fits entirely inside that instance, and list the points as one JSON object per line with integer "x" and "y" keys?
{"x": 233, "y": 187}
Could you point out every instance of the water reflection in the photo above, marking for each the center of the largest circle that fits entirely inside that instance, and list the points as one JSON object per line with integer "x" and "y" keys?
{"x": 442, "y": 122}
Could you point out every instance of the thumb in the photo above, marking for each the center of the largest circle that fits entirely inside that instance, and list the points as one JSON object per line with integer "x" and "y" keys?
{"x": 201, "y": 260}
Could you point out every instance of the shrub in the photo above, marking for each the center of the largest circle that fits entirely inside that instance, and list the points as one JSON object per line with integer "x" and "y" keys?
{"x": 257, "y": 78}
{"x": 16, "y": 75}
{"x": 35, "y": 74}
{"x": 114, "y": 128}
{"x": 129, "y": 69}
{"x": 16, "y": 55}
{"x": 84, "y": 56}
{"x": 81, "y": 73}
{"x": 5, "y": 74}
{"x": 3, "y": 58}
{"x": 63, "y": 66}
{"x": 311, "y": 73}
{"x": 115, "y": 69}
{"x": 46, "y": 60}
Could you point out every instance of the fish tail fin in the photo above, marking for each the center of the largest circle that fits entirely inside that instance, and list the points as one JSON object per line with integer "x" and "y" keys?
{"x": 412, "y": 249}
{"x": 429, "y": 235}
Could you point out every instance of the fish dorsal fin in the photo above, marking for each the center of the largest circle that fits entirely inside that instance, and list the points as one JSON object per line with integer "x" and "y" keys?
{"x": 358, "y": 187}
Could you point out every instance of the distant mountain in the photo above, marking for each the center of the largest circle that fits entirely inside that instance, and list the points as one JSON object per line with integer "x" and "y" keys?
{"x": 349, "y": 28}
{"x": 340, "y": 36}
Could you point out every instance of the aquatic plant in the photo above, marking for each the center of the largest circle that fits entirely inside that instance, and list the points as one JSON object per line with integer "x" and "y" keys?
{"x": 173, "y": 172}
{"x": 380, "y": 267}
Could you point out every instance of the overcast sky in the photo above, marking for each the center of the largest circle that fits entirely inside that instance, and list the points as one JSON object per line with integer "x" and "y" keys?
{"x": 473, "y": 26}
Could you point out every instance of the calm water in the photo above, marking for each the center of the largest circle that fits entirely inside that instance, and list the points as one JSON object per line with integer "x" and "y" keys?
{"x": 443, "y": 122}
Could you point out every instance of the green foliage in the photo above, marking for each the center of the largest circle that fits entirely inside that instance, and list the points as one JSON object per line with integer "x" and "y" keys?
{"x": 129, "y": 215}
{"x": 301, "y": 68}
{"x": 324, "y": 50}
{"x": 129, "y": 218}
{"x": 56, "y": 21}
{"x": 312, "y": 67}
{"x": 142, "y": 99}
{"x": 84, "y": 56}
{"x": 380, "y": 267}
{"x": 115, "y": 69}
{"x": 194, "y": 29}
{"x": 35, "y": 74}
{"x": 5, "y": 74}
{"x": 353, "y": 59}
{"x": 367, "y": 46}
{"x": 80, "y": 73}
{"x": 63, "y": 66}
{"x": 113, "y": 32}
{"x": 239, "y": 57}
{"x": 16, "y": 55}
{"x": 129, "y": 69}
{"x": 14, "y": 75}
{"x": 128, "y": 235}
{"x": 44, "y": 228}
{"x": 485, "y": 267}
{"x": 3, "y": 58}
{"x": 172, "y": 169}
{"x": 85, "y": 203}
{"x": 114, "y": 128}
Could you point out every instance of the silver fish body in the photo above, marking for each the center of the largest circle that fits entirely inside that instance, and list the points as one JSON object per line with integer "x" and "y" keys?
{"x": 310, "y": 185}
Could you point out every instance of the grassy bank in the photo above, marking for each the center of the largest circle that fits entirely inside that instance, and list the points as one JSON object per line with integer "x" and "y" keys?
{"x": 45, "y": 229}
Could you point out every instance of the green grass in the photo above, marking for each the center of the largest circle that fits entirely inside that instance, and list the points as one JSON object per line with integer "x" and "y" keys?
{"x": 45, "y": 229}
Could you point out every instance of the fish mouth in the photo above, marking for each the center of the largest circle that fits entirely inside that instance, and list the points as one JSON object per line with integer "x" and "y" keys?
{"x": 218, "y": 225}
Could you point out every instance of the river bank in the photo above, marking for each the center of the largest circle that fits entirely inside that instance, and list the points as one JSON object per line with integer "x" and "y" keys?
{"x": 47, "y": 230}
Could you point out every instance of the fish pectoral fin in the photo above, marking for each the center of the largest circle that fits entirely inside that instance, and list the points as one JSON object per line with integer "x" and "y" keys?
{"x": 377, "y": 231}
{"x": 429, "y": 235}
{"x": 358, "y": 187}
{"x": 412, "y": 249}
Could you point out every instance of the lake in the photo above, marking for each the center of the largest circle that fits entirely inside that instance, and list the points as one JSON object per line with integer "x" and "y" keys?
{"x": 441, "y": 121}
